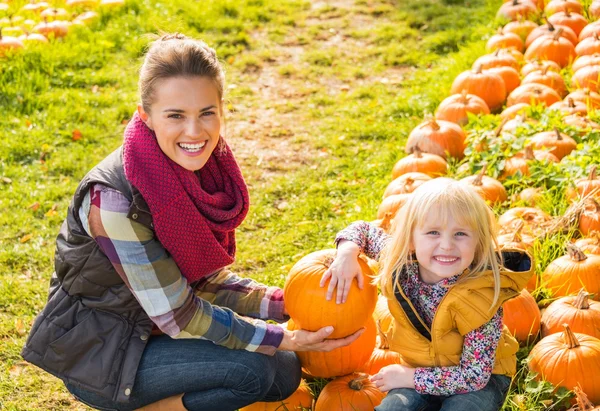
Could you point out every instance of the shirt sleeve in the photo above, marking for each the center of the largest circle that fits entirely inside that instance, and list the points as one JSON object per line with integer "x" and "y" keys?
{"x": 476, "y": 363}
{"x": 157, "y": 283}
{"x": 370, "y": 238}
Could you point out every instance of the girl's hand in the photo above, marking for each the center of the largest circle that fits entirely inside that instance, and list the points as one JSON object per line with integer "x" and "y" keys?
{"x": 342, "y": 271}
{"x": 302, "y": 340}
{"x": 394, "y": 376}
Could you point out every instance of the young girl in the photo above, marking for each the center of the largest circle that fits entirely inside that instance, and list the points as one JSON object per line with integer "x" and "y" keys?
{"x": 142, "y": 311}
{"x": 445, "y": 288}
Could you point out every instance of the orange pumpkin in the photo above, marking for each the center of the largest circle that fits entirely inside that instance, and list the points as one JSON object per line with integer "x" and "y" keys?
{"x": 583, "y": 123}
{"x": 511, "y": 77}
{"x": 381, "y": 356}
{"x": 550, "y": 30}
{"x": 440, "y": 137}
{"x": 587, "y": 77}
{"x": 484, "y": 84}
{"x": 569, "y": 273}
{"x": 406, "y": 183}
{"x": 488, "y": 188}
{"x": 590, "y": 98}
{"x": 511, "y": 112}
{"x": 504, "y": 39}
{"x": 305, "y": 299}
{"x": 555, "y": 6}
{"x": 548, "y": 78}
{"x": 557, "y": 49}
{"x": 594, "y": 9}
{"x": 455, "y": 107}
{"x": 559, "y": 143}
{"x": 570, "y": 106}
{"x": 498, "y": 58}
{"x": 350, "y": 393}
{"x": 516, "y": 239}
{"x": 591, "y": 244}
{"x": 522, "y": 317}
{"x": 579, "y": 312}
{"x": 589, "y": 30}
{"x": 381, "y": 315}
{"x": 533, "y": 219}
{"x": 515, "y": 9}
{"x": 301, "y": 399}
{"x": 521, "y": 28}
{"x": 391, "y": 205}
{"x": 537, "y": 64}
{"x": 588, "y": 46}
{"x": 533, "y": 94}
{"x": 574, "y": 21}
{"x": 340, "y": 361}
{"x": 426, "y": 163}
{"x": 589, "y": 220}
{"x": 569, "y": 360}
{"x": 9, "y": 43}
{"x": 585, "y": 186}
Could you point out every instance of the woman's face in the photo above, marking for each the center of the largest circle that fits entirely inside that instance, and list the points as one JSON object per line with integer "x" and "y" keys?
{"x": 186, "y": 117}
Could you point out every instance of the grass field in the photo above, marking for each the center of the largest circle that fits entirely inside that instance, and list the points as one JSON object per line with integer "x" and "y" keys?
{"x": 320, "y": 98}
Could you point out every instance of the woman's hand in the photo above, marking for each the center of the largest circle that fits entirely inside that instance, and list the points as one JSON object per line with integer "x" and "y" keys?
{"x": 342, "y": 271}
{"x": 302, "y": 340}
{"x": 394, "y": 376}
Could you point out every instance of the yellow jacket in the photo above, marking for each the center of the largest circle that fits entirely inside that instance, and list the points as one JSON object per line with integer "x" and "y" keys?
{"x": 464, "y": 308}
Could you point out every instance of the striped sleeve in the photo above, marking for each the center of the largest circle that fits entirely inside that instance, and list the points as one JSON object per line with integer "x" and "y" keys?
{"x": 158, "y": 285}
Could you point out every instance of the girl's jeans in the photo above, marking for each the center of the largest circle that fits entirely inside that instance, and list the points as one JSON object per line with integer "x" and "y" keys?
{"x": 489, "y": 398}
{"x": 212, "y": 377}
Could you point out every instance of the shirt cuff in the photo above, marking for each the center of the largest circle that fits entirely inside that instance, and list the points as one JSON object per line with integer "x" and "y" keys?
{"x": 272, "y": 340}
{"x": 274, "y": 307}
{"x": 420, "y": 380}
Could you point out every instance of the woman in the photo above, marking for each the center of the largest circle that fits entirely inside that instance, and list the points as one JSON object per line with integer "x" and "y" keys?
{"x": 141, "y": 308}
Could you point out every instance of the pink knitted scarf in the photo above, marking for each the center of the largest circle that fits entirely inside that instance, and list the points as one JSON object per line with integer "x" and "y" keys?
{"x": 194, "y": 213}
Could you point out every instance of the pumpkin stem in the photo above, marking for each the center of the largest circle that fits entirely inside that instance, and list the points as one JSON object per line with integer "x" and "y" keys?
{"x": 500, "y": 127}
{"x": 583, "y": 402}
{"x": 434, "y": 124}
{"x": 529, "y": 153}
{"x": 478, "y": 68}
{"x": 569, "y": 338}
{"x": 416, "y": 151}
{"x": 464, "y": 99}
{"x": 558, "y": 34}
{"x": 356, "y": 384}
{"x": 384, "y": 343}
{"x": 548, "y": 23}
{"x": 593, "y": 173}
{"x": 558, "y": 135}
{"x": 479, "y": 179}
{"x": 570, "y": 102}
{"x": 582, "y": 302}
{"x": 575, "y": 253}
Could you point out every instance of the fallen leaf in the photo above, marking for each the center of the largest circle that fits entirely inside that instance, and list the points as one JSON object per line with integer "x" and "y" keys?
{"x": 25, "y": 238}
{"x": 20, "y": 327}
{"x": 52, "y": 212}
{"x": 35, "y": 206}
{"x": 76, "y": 135}
{"x": 6, "y": 180}
{"x": 17, "y": 369}
{"x": 95, "y": 88}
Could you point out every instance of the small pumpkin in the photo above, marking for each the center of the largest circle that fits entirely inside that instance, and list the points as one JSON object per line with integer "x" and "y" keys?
{"x": 537, "y": 64}
{"x": 533, "y": 219}
{"x": 574, "y": 21}
{"x": 487, "y": 85}
{"x": 418, "y": 161}
{"x": 516, "y": 240}
{"x": 569, "y": 360}
{"x": 515, "y": 9}
{"x": 511, "y": 112}
{"x": 590, "y": 98}
{"x": 406, "y": 183}
{"x": 440, "y": 137}
{"x": 588, "y": 46}
{"x": 498, "y": 58}
{"x": 382, "y": 355}
{"x": 521, "y": 28}
{"x": 590, "y": 30}
{"x": 559, "y": 143}
{"x": 504, "y": 39}
{"x": 585, "y": 186}
{"x": 350, "y": 393}
{"x": 9, "y": 43}
{"x": 569, "y": 273}
{"x": 594, "y": 10}
{"x": 555, "y": 6}
{"x": 587, "y": 77}
{"x": 557, "y": 49}
{"x": 548, "y": 78}
{"x": 579, "y": 312}
{"x": 391, "y": 205}
{"x": 589, "y": 219}
{"x": 522, "y": 317}
{"x": 569, "y": 106}
{"x": 301, "y": 399}
{"x": 533, "y": 94}
{"x": 305, "y": 299}
{"x": 488, "y": 188}
{"x": 590, "y": 244}
{"x": 455, "y": 107}
{"x": 584, "y": 124}
{"x": 550, "y": 30}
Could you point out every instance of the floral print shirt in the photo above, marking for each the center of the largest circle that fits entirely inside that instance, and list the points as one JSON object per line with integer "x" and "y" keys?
{"x": 479, "y": 347}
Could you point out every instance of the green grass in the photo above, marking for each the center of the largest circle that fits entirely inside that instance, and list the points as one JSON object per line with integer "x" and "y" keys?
{"x": 359, "y": 80}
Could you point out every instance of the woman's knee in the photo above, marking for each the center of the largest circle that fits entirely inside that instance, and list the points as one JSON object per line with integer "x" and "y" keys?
{"x": 253, "y": 377}
{"x": 402, "y": 399}
{"x": 288, "y": 374}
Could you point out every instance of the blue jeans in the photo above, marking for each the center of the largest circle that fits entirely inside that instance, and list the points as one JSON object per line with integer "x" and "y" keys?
{"x": 489, "y": 398}
{"x": 212, "y": 377}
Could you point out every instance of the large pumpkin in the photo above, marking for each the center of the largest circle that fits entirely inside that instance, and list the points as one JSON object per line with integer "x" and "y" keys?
{"x": 305, "y": 299}
{"x": 427, "y": 163}
{"x": 569, "y": 360}
{"x": 456, "y": 107}
{"x": 488, "y": 188}
{"x": 579, "y": 312}
{"x": 569, "y": 273}
{"x": 340, "y": 361}
{"x": 488, "y": 86}
{"x": 559, "y": 143}
{"x": 557, "y": 49}
{"x": 350, "y": 393}
{"x": 522, "y": 317}
{"x": 301, "y": 399}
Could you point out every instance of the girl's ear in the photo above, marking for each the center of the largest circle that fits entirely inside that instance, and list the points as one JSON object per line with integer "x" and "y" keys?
{"x": 144, "y": 116}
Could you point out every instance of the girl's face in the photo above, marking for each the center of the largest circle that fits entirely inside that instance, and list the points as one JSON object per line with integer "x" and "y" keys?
{"x": 186, "y": 117}
{"x": 443, "y": 250}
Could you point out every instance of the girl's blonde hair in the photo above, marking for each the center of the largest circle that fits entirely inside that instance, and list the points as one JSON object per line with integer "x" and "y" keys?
{"x": 451, "y": 198}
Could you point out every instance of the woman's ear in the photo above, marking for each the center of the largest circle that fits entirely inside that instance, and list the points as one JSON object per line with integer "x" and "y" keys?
{"x": 144, "y": 116}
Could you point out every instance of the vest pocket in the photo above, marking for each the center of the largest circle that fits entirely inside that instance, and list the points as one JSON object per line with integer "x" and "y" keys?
{"x": 88, "y": 352}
